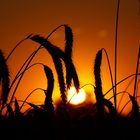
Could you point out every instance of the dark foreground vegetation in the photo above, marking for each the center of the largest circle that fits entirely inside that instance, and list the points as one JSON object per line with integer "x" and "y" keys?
{"x": 67, "y": 124}
{"x": 98, "y": 120}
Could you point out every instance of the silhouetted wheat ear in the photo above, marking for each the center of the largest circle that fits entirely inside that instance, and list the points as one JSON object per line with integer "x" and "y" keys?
{"x": 70, "y": 68}
{"x": 98, "y": 84}
{"x": 58, "y": 66}
{"x": 75, "y": 77}
{"x": 68, "y": 41}
{"x": 71, "y": 74}
{"x": 56, "y": 54}
{"x": 68, "y": 52}
{"x": 50, "y": 82}
{"x": 52, "y": 49}
{"x": 4, "y": 77}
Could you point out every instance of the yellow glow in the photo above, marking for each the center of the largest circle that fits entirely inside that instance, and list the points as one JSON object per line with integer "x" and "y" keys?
{"x": 76, "y": 98}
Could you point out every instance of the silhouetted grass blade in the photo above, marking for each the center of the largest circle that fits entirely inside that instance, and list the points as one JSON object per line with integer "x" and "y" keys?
{"x": 17, "y": 110}
{"x": 35, "y": 107}
{"x": 10, "y": 112}
{"x": 110, "y": 107}
{"x": 135, "y": 107}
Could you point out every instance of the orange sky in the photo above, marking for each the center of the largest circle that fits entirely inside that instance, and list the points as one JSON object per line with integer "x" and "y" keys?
{"x": 93, "y": 25}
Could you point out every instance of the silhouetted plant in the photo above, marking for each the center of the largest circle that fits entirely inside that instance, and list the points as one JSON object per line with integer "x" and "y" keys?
{"x": 4, "y": 79}
{"x": 135, "y": 108}
{"x": 137, "y": 68}
{"x": 57, "y": 54}
{"x": 48, "y": 104}
{"x": 98, "y": 84}
{"x": 116, "y": 46}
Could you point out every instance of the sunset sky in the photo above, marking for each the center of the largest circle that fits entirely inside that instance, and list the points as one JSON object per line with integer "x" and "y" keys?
{"x": 93, "y": 25}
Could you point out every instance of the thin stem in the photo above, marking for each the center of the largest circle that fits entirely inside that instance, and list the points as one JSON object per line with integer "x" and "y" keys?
{"x": 124, "y": 106}
{"x": 31, "y": 58}
{"x": 109, "y": 66}
{"x": 118, "y": 94}
{"x": 116, "y": 44}
{"x": 17, "y": 46}
{"x": 124, "y": 91}
{"x": 18, "y": 73}
{"x": 23, "y": 74}
{"x": 120, "y": 82}
{"x": 30, "y": 67}
{"x": 88, "y": 85}
{"x": 136, "y": 77}
{"x": 29, "y": 96}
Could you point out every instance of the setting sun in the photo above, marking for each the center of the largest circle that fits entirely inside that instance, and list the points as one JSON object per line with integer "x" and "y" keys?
{"x": 76, "y": 98}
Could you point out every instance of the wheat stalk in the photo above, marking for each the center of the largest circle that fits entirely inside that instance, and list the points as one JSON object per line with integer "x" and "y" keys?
{"x": 21, "y": 41}
{"x": 116, "y": 46}
{"x": 136, "y": 77}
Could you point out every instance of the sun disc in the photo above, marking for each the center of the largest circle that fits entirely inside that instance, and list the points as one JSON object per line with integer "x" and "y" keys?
{"x": 76, "y": 98}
